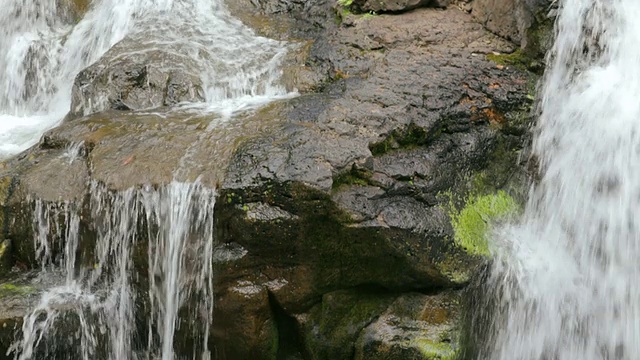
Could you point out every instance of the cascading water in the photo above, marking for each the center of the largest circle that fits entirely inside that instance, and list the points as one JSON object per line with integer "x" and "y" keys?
{"x": 42, "y": 54}
{"x": 116, "y": 312}
{"x": 176, "y": 222}
{"x": 564, "y": 278}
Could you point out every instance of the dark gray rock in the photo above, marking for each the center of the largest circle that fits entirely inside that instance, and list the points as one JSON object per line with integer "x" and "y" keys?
{"x": 128, "y": 79}
{"x": 331, "y": 328}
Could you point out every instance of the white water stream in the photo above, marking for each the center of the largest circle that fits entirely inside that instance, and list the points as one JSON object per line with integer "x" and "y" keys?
{"x": 96, "y": 312}
{"x": 98, "y": 299}
{"x": 42, "y": 53}
{"x": 567, "y": 275}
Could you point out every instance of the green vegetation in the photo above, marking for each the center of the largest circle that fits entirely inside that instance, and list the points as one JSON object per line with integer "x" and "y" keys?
{"x": 472, "y": 222}
{"x": 518, "y": 59}
{"x": 15, "y": 290}
{"x": 351, "y": 177}
{"x": 345, "y": 8}
{"x": 432, "y": 350}
{"x": 338, "y": 321}
{"x": 369, "y": 15}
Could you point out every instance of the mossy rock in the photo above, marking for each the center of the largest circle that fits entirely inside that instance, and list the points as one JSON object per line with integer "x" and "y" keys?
{"x": 334, "y": 325}
{"x": 9, "y": 289}
{"x": 519, "y": 59}
{"x": 416, "y": 327}
{"x": 472, "y": 223}
{"x": 5, "y": 191}
{"x": 538, "y": 38}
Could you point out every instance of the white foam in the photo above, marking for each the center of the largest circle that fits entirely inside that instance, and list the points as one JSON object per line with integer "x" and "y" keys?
{"x": 568, "y": 271}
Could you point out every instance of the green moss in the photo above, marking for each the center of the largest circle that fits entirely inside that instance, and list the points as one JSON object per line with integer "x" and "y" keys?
{"x": 539, "y": 38}
{"x": 384, "y": 146}
{"x": 472, "y": 222}
{"x": 336, "y": 323}
{"x": 15, "y": 290}
{"x": 5, "y": 256}
{"x": 346, "y": 12}
{"x": 347, "y": 8}
{"x": 517, "y": 59}
{"x": 432, "y": 350}
{"x": 352, "y": 177}
{"x": 5, "y": 185}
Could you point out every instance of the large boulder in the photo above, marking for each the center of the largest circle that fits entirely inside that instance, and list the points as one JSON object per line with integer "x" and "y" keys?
{"x": 130, "y": 79}
{"x": 342, "y": 201}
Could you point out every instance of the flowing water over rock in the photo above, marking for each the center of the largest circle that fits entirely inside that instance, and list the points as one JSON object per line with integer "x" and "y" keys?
{"x": 44, "y": 51}
{"x": 564, "y": 280}
{"x": 103, "y": 307}
{"x": 99, "y": 298}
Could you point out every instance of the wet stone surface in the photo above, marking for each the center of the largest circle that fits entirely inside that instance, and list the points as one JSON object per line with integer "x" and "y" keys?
{"x": 334, "y": 202}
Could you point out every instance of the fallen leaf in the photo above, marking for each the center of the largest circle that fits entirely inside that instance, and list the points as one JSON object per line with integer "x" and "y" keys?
{"x": 128, "y": 160}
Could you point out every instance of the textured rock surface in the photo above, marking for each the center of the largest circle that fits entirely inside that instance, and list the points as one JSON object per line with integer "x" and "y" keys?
{"x": 525, "y": 22}
{"x": 335, "y": 202}
{"x": 415, "y": 326}
{"x": 17, "y": 296}
{"x": 135, "y": 80}
{"x": 332, "y": 327}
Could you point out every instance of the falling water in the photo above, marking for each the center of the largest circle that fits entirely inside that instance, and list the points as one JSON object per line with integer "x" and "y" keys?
{"x": 565, "y": 277}
{"x": 105, "y": 306}
{"x": 176, "y": 224}
{"x": 186, "y": 213}
{"x": 43, "y": 51}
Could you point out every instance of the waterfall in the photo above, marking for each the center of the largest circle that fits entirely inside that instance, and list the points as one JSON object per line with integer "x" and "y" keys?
{"x": 563, "y": 283}
{"x": 103, "y": 305}
{"x": 43, "y": 52}
{"x": 99, "y": 297}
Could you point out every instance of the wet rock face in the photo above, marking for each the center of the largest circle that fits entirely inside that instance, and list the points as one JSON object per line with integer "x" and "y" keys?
{"x": 17, "y": 297}
{"x": 335, "y": 237}
{"x": 125, "y": 79}
{"x": 348, "y": 193}
{"x": 415, "y": 326}
{"x": 498, "y": 16}
{"x": 525, "y": 22}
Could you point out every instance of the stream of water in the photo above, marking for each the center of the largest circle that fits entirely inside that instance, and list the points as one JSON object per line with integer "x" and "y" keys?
{"x": 97, "y": 298}
{"x": 564, "y": 278}
{"x": 103, "y": 307}
{"x": 43, "y": 51}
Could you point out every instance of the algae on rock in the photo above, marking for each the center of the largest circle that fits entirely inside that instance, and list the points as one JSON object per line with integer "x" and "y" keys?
{"x": 334, "y": 325}
{"x": 415, "y": 326}
{"x": 472, "y": 223}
